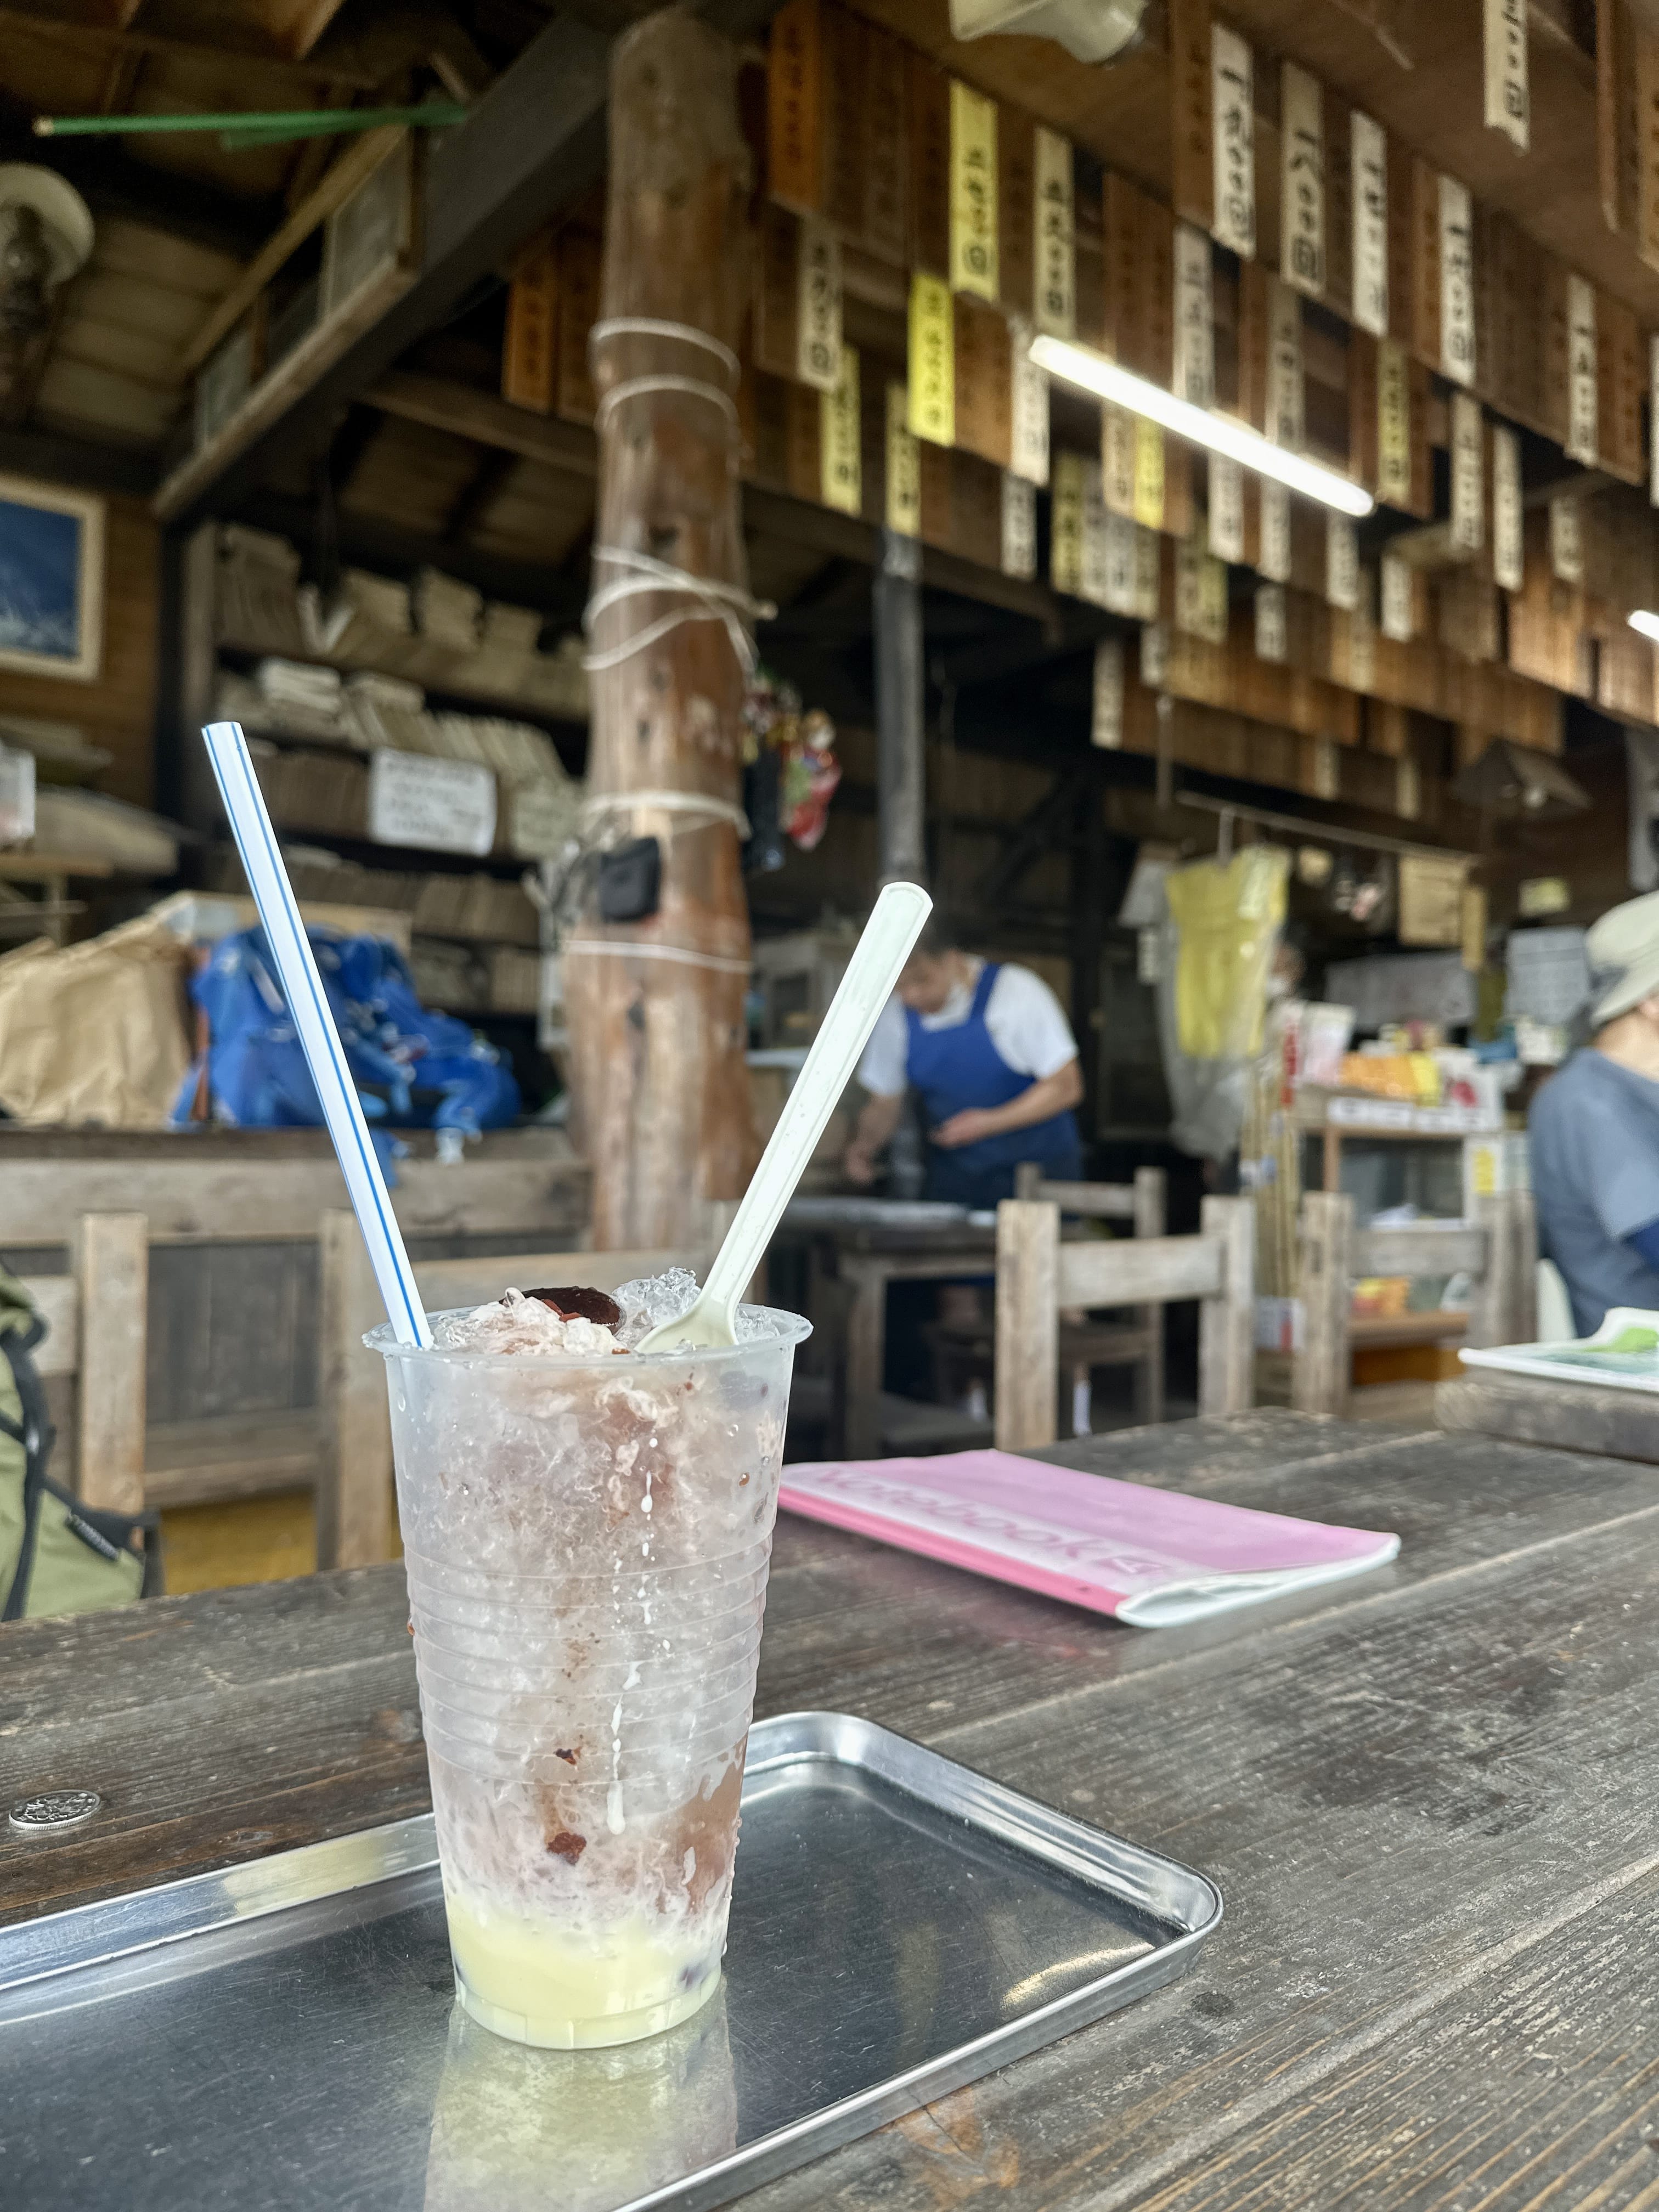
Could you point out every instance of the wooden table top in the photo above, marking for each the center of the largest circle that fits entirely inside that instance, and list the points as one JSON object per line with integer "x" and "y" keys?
{"x": 1428, "y": 1796}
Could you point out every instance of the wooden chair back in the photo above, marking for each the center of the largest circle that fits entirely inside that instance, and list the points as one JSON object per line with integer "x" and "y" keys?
{"x": 1498, "y": 1248}
{"x": 96, "y": 1318}
{"x": 1037, "y": 1276}
{"x": 1143, "y": 1204}
{"x": 354, "y": 1494}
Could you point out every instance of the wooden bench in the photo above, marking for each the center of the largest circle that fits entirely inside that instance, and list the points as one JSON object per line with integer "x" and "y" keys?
{"x": 1143, "y": 1204}
{"x": 1498, "y": 1249}
{"x": 1038, "y": 1277}
{"x": 94, "y": 1318}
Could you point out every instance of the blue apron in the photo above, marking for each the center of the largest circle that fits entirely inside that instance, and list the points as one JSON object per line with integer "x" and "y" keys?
{"x": 957, "y": 1067}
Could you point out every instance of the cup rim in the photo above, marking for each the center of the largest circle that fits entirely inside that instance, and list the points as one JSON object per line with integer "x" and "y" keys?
{"x": 789, "y": 1330}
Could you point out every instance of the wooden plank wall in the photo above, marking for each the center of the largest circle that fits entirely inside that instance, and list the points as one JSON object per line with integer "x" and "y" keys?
{"x": 117, "y": 711}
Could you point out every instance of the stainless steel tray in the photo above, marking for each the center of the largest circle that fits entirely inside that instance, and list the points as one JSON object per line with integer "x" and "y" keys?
{"x": 283, "y": 2034}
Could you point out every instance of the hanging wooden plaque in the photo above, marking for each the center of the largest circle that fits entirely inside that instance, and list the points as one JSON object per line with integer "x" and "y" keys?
{"x": 886, "y": 181}
{"x": 1272, "y": 637}
{"x": 1106, "y": 710}
{"x": 1339, "y": 205}
{"x": 1508, "y": 108}
{"x": 1619, "y": 385}
{"x": 578, "y": 310}
{"x": 1508, "y": 564}
{"x": 1369, "y": 173}
{"x": 845, "y": 127}
{"x": 1286, "y": 415}
{"x": 1394, "y": 424}
{"x": 1019, "y": 527}
{"x": 1226, "y": 515}
{"x": 1066, "y": 523}
{"x": 903, "y": 469}
{"x": 984, "y": 380}
{"x": 1054, "y": 218}
{"x": 1302, "y": 183}
{"x": 803, "y": 431}
{"x": 777, "y": 290}
{"x": 1016, "y": 212}
{"x": 974, "y": 221}
{"x": 929, "y": 107}
{"x": 794, "y": 106}
{"x": 937, "y": 474}
{"x": 1117, "y": 459}
{"x": 1468, "y": 474}
{"x": 841, "y": 439}
{"x": 1456, "y": 282}
{"x": 1618, "y": 127}
{"x": 1362, "y": 409}
{"x": 976, "y": 510}
{"x": 530, "y": 350}
{"x": 1108, "y": 549}
{"x": 1195, "y": 318}
{"x": 1582, "y": 372}
{"x": 818, "y": 310}
{"x": 933, "y": 361}
{"x": 1149, "y": 474}
{"x": 1233, "y": 131}
{"x": 1122, "y": 260}
{"x": 1274, "y": 551}
{"x": 1252, "y": 389}
{"x": 1030, "y": 421}
{"x": 1566, "y": 541}
{"x": 1192, "y": 112}
{"x": 1342, "y": 562}
{"x": 1426, "y": 292}
{"x": 1551, "y": 312}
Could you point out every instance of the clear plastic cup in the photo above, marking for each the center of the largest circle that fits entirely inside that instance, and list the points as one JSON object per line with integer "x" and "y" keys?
{"x": 586, "y": 1541}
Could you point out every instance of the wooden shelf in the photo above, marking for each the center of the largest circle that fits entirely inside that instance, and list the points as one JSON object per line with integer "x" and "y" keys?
{"x": 1407, "y": 1328}
{"x": 439, "y": 684}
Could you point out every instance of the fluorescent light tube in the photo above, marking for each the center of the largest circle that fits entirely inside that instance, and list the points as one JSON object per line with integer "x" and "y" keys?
{"x": 1647, "y": 624}
{"x": 1090, "y": 372}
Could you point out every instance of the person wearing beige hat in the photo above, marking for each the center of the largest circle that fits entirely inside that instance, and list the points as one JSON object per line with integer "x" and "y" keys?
{"x": 1594, "y": 1128}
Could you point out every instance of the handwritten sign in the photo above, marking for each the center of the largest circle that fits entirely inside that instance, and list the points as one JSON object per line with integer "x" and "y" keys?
{"x": 974, "y": 220}
{"x": 1456, "y": 282}
{"x": 1301, "y": 190}
{"x": 1195, "y": 318}
{"x": 1155, "y": 655}
{"x": 1469, "y": 475}
{"x": 1055, "y": 216}
{"x": 1148, "y": 565}
{"x": 818, "y": 307}
{"x": 1191, "y": 108}
{"x": 1369, "y": 150}
{"x": 1287, "y": 418}
{"x": 1149, "y": 473}
{"x": 1106, "y": 714}
{"x": 1508, "y": 556}
{"x": 1342, "y": 562}
{"x": 794, "y": 100}
{"x": 1108, "y": 550}
{"x": 841, "y": 445}
{"x": 438, "y": 806}
{"x": 1508, "y": 107}
{"x": 1582, "y": 372}
{"x": 1272, "y": 629}
{"x": 1018, "y": 526}
{"x": 1394, "y": 424}
{"x": 1397, "y": 597}
{"x": 1274, "y": 559}
{"x": 903, "y": 466}
{"x": 1030, "y": 457}
{"x": 933, "y": 361}
{"x": 1117, "y": 459}
{"x": 1066, "y": 523}
{"x": 1233, "y": 131}
{"x": 1566, "y": 542}
{"x": 1227, "y": 508}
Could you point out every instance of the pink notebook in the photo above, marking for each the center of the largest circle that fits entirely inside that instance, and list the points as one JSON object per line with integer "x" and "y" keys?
{"x": 1153, "y": 1558}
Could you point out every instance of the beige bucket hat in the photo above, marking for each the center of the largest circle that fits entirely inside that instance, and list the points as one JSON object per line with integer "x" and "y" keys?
{"x": 1623, "y": 951}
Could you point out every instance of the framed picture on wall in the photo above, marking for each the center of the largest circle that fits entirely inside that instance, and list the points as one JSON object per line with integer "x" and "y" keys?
{"x": 51, "y": 580}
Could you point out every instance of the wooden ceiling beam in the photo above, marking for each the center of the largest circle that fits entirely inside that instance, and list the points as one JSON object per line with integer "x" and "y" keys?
{"x": 84, "y": 23}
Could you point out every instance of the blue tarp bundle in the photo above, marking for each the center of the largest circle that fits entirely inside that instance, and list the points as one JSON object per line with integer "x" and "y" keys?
{"x": 395, "y": 1048}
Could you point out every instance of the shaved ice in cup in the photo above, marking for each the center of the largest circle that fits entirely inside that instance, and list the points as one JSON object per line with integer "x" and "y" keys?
{"x": 586, "y": 1534}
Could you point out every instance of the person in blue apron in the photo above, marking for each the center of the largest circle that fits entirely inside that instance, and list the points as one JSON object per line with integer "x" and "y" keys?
{"x": 992, "y": 1060}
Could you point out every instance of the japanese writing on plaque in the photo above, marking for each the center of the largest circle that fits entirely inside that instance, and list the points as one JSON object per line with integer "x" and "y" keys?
{"x": 1028, "y": 456}
{"x": 1583, "y": 429}
{"x": 1397, "y": 596}
{"x": 817, "y": 313}
{"x": 1227, "y": 508}
{"x": 1117, "y": 459}
{"x": 1018, "y": 526}
{"x": 1507, "y": 104}
{"x": 903, "y": 466}
{"x": 1195, "y": 318}
{"x": 1393, "y": 423}
{"x": 1272, "y": 634}
{"x": 1147, "y": 565}
{"x": 1456, "y": 282}
{"x": 1469, "y": 475}
{"x": 1149, "y": 473}
{"x": 1109, "y": 551}
{"x": 1106, "y": 718}
{"x": 1286, "y": 423}
{"x": 1302, "y": 193}
{"x": 1566, "y": 542}
{"x": 973, "y": 192}
{"x": 840, "y": 445}
{"x": 933, "y": 361}
{"x": 1342, "y": 562}
{"x": 1508, "y": 563}
{"x": 1155, "y": 655}
{"x": 1066, "y": 523}
{"x": 1231, "y": 78}
{"x": 1370, "y": 157}
{"x": 1054, "y": 216}
{"x": 1274, "y": 558}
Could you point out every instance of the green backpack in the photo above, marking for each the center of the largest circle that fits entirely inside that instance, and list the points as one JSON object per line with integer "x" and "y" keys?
{"x": 56, "y": 1554}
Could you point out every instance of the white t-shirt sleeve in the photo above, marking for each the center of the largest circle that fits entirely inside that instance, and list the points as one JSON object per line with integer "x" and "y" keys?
{"x": 1026, "y": 1026}
{"x": 882, "y": 1070}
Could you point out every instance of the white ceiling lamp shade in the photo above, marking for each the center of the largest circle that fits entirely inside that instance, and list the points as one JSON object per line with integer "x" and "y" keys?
{"x": 1092, "y": 30}
{"x": 1090, "y": 372}
{"x": 64, "y": 219}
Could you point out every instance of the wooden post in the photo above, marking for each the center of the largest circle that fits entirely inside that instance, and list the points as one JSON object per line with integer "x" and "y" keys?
{"x": 1319, "y": 1376}
{"x": 1151, "y": 1219}
{"x": 901, "y": 711}
{"x": 1521, "y": 1229}
{"x": 656, "y": 1004}
{"x": 1028, "y": 1323}
{"x": 1226, "y": 1323}
{"x": 1491, "y": 1308}
{"x": 353, "y": 1478}
{"x": 111, "y": 1267}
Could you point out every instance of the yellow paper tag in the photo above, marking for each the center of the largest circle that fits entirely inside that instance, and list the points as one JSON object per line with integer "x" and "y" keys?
{"x": 1066, "y": 523}
{"x": 840, "y": 446}
{"x": 1394, "y": 423}
{"x": 973, "y": 193}
{"x": 903, "y": 466}
{"x": 1149, "y": 474}
{"x": 933, "y": 361}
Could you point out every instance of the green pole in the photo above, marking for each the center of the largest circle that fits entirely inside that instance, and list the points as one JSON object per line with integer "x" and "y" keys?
{"x": 257, "y": 127}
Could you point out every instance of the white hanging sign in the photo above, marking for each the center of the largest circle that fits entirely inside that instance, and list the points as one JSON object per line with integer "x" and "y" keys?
{"x": 1342, "y": 562}
{"x": 1055, "y": 216}
{"x": 439, "y": 806}
{"x": 1271, "y": 630}
{"x": 1370, "y": 181}
{"x": 1117, "y": 459}
{"x": 1018, "y": 526}
{"x": 1582, "y": 429}
{"x": 1029, "y": 449}
{"x": 1469, "y": 475}
{"x": 1227, "y": 508}
{"x": 1100, "y": 556}
{"x": 1194, "y": 319}
{"x": 818, "y": 307}
{"x": 1117, "y": 580}
{"x": 1147, "y": 565}
{"x": 1273, "y": 558}
{"x": 1507, "y": 104}
{"x": 1301, "y": 190}
{"x": 1362, "y": 639}
{"x": 1407, "y": 789}
{"x": 1508, "y": 559}
{"x": 1396, "y": 596}
{"x": 1456, "y": 282}
{"x": 1106, "y": 718}
{"x": 1155, "y": 655}
{"x": 1566, "y": 542}
{"x": 1287, "y": 418}
{"x": 1233, "y": 132}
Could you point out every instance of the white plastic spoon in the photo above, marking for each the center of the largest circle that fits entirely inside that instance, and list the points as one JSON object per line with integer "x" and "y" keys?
{"x": 895, "y": 924}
